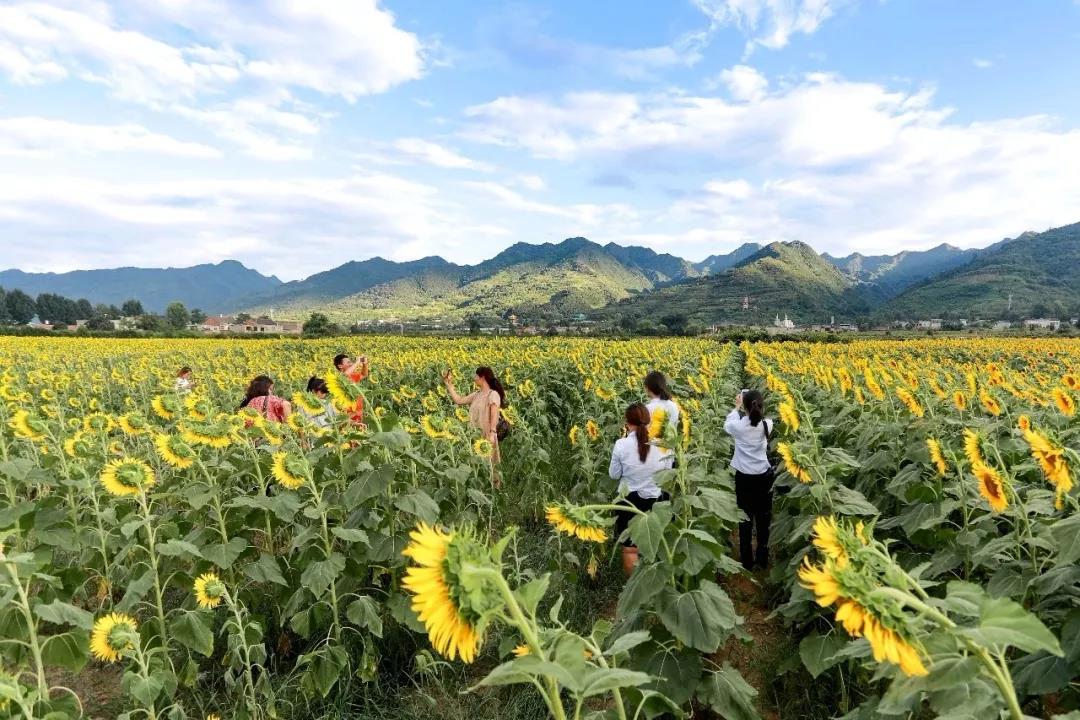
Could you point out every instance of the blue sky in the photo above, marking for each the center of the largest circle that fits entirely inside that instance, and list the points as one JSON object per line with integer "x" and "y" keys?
{"x": 295, "y": 135}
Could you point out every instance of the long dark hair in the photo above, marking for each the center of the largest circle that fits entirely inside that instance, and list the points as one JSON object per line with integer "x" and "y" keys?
{"x": 317, "y": 384}
{"x": 754, "y": 404}
{"x": 656, "y": 383}
{"x": 259, "y": 387}
{"x": 638, "y": 416}
{"x": 493, "y": 382}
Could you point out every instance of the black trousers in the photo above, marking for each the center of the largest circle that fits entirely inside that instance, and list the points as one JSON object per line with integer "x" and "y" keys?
{"x": 753, "y": 493}
{"x": 623, "y": 517}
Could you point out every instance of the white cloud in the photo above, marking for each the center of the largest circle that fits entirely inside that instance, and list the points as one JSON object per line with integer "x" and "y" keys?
{"x": 257, "y": 221}
{"x": 530, "y": 182}
{"x": 261, "y": 127}
{"x": 982, "y": 63}
{"x": 46, "y": 137}
{"x": 744, "y": 83}
{"x": 426, "y": 152}
{"x": 583, "y": 214}
{"x": 770, "y": 23}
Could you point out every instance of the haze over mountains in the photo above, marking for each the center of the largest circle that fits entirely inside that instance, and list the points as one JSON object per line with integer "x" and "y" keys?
{"x": 554, "y": 281}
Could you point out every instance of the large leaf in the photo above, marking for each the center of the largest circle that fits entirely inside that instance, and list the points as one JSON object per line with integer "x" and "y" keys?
{"x": 224, "y": 554}
{"x": 373, "y": 483}
{"x": 1004, "y": 623}
{"x": 645, "y": 584}
{"x": 818, "y": 652}
{"x": 318, "y": 575}
{"x": 702, "y": 618}
{"x": 420, "y": 504}
{"x": 265, "y": 569}
{"x": 647, "y": 531}
{"x": 62, "y": 613}
{"x": 1040, "y": 673}
{"x": 1066, "y": 534}
{"x": 364, "y": 612}
{"x": 728, "y": 694}
{"x": 627, "y": 642}
{"x": 178, "y": 548}
{"x": 598, "y": 681}
{"x": 67, "y": 650}
{"x": 192, "y": 629}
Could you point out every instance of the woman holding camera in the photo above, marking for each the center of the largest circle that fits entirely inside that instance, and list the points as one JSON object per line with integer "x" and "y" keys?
{"x": 747, "y": 426}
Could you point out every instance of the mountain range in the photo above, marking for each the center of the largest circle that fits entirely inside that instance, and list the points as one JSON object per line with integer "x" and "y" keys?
{"x": 553, "y": 281}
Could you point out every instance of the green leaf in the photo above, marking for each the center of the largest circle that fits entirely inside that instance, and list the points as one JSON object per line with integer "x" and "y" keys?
{"x": 178, "y": 548}
{"x": 852, "y": 502}
{"x": 265, "y": 569}
{"x": 372, "y": 484}
{"x": 728, "y": 694}
{"x": 145, "y": 690}
{"x": 192, "y": 630}
{"x": 964, "y": 598}
{"x": 324, "y": 669}
{"x": 645, "y": 584}
{"x": 135, "y": 591}
{"x": 62, "y": 613}
{"x": 350, "y": 535}
{"x": 224, "y": 554}
{"x": 318, "y": 575}
{"x": 1066, "y": 534}
{"x": 364, "y": 612}
{"x": 396, "y": 439}
{"x": 702, "y": 618}
{"x": 647, "y": 531}
{"x": 627, "y": 642}
{"x": 420, "y": 504}
{"x": 598, "y": 681}
{"x": 818, "y": 652}
{"x": 1040, "y": 673}
{"x": 531, "y": 593}
{"x": 509, "y": 673}
{"x": 67, "y": 650}
{"x": 1003, "y": 622}
{"x": 950, "y": 671}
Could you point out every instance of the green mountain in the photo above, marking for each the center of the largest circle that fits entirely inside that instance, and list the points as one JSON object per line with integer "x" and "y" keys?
{"x": 1041, "y": 271}
{"x": 213, "y": 288}
{"x": 780, "y": 279}
{"x": 719, "y": 263}
{"x": 546, "y": 281}
{"x": 892, "y": 274}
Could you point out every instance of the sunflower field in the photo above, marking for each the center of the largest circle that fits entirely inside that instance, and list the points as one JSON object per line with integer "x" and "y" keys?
{"x": 221, "y": 565}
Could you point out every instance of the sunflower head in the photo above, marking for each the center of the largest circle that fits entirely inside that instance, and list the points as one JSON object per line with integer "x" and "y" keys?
{"x": 482, "y": 448}
{"x": 127, "y": 476}
{"x": 453, "y": 592}
{"x": 1065, "y": 402}
{"x": 936, "y": 456}
{"x": 289, "y": 469}
{"x": 174, "y": 451}
{"x": 792, "y": 465}
{"x": 592, "y": 430}
{"x": 165, "y": 406}
{"x": 972, "y": 446}
{"x": 789, "y": 416}
{"x": 582, "y": 523}
{"x": 114, "y": 635}
{"x": 991, "y": 485}
{"x": 575, "y": 431}
{"x": 960, "y": 400}
{"x": 209, "y": 590}
{"x": 26, "y": 426}
{"x": 657, "y": 423}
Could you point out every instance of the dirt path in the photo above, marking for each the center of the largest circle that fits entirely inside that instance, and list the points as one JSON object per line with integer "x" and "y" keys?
{"x": 755, "y": 659}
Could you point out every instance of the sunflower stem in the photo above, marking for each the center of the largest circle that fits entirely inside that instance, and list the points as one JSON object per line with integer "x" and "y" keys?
{"x": 31, "y": 627}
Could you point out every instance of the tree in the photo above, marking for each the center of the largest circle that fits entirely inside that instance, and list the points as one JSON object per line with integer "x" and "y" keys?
{"x": 5, "y": 316}
{"x": 197, "y": 317}
{"x": 675, "y": 323}
{"x": 177, "y": 316}
{"x": 20, "y": 306}
{"x": 151, "y": 323}
{"x": 474, "y": 326}
{"x": 56, "y": 309}
{"x": 132, "y": 308}
{"x": 318, "y": 325}
{"x": 83, "y": 309}
{"x": 99, "y": 322}
{"x": 242, "y": 318}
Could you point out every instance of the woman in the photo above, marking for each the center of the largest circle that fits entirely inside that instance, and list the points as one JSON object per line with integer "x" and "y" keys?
{"x": 635, "y": 462}
{"x": 184, "y": 383}
{"x": 317, "y": 387}
{"x": 355, "y": 371}
{"x": 485, "y": 404}
{"x": 660, "y": 398}
{"x": 260, "y": 397}
{"x": 746, "y": 424}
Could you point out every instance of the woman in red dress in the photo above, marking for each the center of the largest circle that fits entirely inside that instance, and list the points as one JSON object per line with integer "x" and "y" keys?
{"x": 355, "y": 371}
{"x": 260, "y": 397}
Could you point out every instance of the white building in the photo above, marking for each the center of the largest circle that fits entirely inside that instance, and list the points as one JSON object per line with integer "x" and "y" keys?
{"x": 785, "y": 323}
{"x": 932, "y": 324}
{"x": 1042, "y": 324}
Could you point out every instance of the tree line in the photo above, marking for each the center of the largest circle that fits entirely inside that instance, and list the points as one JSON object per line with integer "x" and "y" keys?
{"x": 19, "y": 308}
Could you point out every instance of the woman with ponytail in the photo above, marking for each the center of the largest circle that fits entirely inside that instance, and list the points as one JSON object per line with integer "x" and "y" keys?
{"x": 747, "y": 426}
{"x": 635, "y": 463}
{"x": 485, "y": 405}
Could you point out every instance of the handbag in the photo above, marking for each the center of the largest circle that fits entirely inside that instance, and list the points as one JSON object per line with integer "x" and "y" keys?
{"x": 502, "y": 428}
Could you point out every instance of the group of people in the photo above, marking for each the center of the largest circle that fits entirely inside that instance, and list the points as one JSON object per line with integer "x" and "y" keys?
{"x": 636, "y": 460}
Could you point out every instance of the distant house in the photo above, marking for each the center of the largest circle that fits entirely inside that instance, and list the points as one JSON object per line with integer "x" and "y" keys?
{"x": 1002, "y": 325}
{"x": 785, "y": 323}
{"x": 1042, "y": 324}
{"x": 932, "y": 324}
{"x": 215, "y": 324}
{"x": 256, "y": 326}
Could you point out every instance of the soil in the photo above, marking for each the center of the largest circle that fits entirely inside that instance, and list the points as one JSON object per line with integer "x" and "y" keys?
{"x": 751, "y": 659}
{"x": 97, "y": 686}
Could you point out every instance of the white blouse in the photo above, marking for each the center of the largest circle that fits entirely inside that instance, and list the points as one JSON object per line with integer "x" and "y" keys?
{"x": 633, "y": 474}
{"x": 751, "y": 444}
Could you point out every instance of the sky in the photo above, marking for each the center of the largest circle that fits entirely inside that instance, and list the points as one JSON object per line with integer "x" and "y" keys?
{"x": 296, "y": 135}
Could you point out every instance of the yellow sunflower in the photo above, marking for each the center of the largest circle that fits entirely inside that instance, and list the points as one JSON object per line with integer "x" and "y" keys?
{"x": 113, "y": 636}
{"x": 990, "y": 403}
{"x": 960, "y": 400}
{"x": 936, "y": 456}
{"x": 483, "y": 448}
{"x": 657, "y": 423}
{"x": 209, "y": 590}
{"x": 909, "y": 400}
{"x": 164, "y": 407}
{"x": 127, "y": 476}
{"x": 789, "y": 416}
{"x": 592, "y": 430}
{"x": 575, "y": 522}
{"x": 573, "y": 435}
{"x": 289, "y": 470}
{"x": 972, "y": 446}
{"x": 991, "y": 486}
{"x": 827, "y": 539}
{"x": 26, "y": 426}
{"x": 794, "y": 469}
{"x": 1064, "y": 401}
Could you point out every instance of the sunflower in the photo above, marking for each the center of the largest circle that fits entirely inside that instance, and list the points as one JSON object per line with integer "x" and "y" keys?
{"x": 684, "y": 422}
{"x": 26, "y": 426}
{"x": 789, "y": 416}
{"x": 77, "y": 444}
{"x": 212, "y": 434}
{"x": 164, "y": 407}
{"x": 887, "y": 644}
{"x": 1071, "y": 381}
{"x": 909, "y": 400}
{"x": 1052, "y": 461}
{"x": 827, "y": 539}
{"x": 174, "y": 451}
{"x": 794, "y": 469}
{"x": 127, "y": 476}
{"x": 1024, "y": 423}
{"x": 821, "y": 580}
{"x": 972, "y": 446}
{"x": 521, "y": 651}
{"x": 309, "y": 403}
{"x": 133, "y": 424}
{"x": 98, "y": 422}
{"x": 990, "y": 403}
{"x": 454, "y": 616}
{"x": 657, "y": 423}
{"x": 289, "y": 470}
{"x": 960, "y": 400}
{"x": 936, "y": 456}
{"x": 604, "y": 394}
{"x": 113, "y": 636}
{"x": 427, "y": 424}
{"x": 461, "y": 414}
{"x": 575, "y": 431}
{"x": 991, "y": 486}
{"x": 482, "y": 448}
{"x": 1064, "y": 401}
{"x": 592, "y": 430}
{"x": 209, "y": 590}
{"x": 576, "y": 522}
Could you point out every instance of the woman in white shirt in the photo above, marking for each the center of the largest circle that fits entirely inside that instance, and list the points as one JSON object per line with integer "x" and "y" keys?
{"x": 746, "y": 424}
{"x": 660, "y": 398}
{"x": 635, "y": 462}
